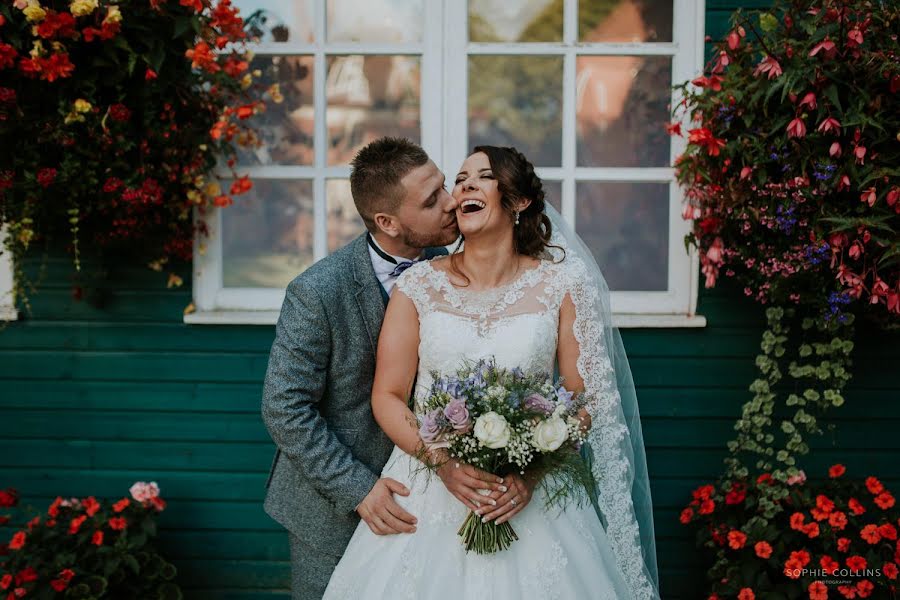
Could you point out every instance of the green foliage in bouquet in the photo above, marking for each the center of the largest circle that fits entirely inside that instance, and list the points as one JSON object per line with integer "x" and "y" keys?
{"x": 112, "y": 115}
{"x": 834, "y": 538}
{"x": 85, "y": 548}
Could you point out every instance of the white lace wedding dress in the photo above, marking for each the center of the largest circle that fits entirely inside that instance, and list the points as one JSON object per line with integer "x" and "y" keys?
{"x": 558, "y": 554}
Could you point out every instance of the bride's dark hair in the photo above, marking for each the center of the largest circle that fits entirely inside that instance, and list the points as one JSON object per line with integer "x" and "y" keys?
{"x": 517, "y": 181}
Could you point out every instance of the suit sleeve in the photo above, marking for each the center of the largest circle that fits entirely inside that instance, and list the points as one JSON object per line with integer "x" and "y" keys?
{"x": 294, "y": 385}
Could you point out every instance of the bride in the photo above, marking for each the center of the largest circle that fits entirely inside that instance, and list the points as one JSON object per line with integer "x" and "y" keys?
{"x": 526, "y": 292}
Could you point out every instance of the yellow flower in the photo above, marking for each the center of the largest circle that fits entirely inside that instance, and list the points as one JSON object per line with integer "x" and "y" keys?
{"x": 74, "y": 117}
{"x": 246, "y": 81}
{"x": 82, "y": 105}
{"x": 113, "y": 15}
{"x": 82, "y": 8}
{"x": 37, "y": 49}
{"x": 275, "y": 93}
{"x": 34, "y": 13}
{"x": 213, "y": 189}
{"x": 174, "y": 281}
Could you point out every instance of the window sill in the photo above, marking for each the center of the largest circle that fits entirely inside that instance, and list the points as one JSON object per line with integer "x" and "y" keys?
{"x": 8, "y": 313}
{"x": 267, "y": 317}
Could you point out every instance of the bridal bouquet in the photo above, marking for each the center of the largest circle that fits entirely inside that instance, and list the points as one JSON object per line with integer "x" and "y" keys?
{"x": 505, "y": 421}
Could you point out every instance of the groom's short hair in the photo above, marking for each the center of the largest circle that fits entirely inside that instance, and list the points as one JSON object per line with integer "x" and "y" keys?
{"x": 376, "y": 173}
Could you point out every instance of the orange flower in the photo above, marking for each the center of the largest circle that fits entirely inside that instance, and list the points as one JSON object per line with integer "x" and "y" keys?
{"x": 241, "y": 185}
{"x": 686, "y": 516}
{"x": 97, "y": 538}
{"x": 837, "y": 520}
{"x": 746, "y": 594}
{"x": 91, "y": 506}
{"x": 17, "y": 541}
{"x": 118, "y": 523}
{"x": 843, "y": 544}
{"x": 856, "y": 507}
{"x": 121, "y": 505}
{"x": 829, "y": 565}
{"x": 888, "y": 531}
{"x": 797, "y": 520}
{"x": 818, "y": 591}
{"x": 824, "y": 503}
{"x": 222, "y": 201}
{"x": 736, "y": 539}
{"x": 856, "y": 562}
{"x": 203, "y": 57}
{"x": 763, "y": 549}
{"x": 870, "y": 534}
{"x": 874, "y": 486}
{"x": 884, "y": 500}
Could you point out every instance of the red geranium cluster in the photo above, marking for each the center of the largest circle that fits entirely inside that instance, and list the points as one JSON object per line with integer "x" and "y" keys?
{"x": 837, "y": 535}
{"x": 112, "y": 117}
{"x": 790, "y": 168}
{"x": 70, "y": 547}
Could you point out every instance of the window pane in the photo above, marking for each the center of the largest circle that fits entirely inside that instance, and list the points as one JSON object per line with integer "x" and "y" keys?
{"x": 621, "y": 111}
{"x": 625, "y": 21}
{"x": 286, "y": 129}
{"x": 369, "y": 97}
{"x": 553, "y": 194}
{"x": 344, "y": 223}
{"x": 267, "y": 234}
{"x": 515, "y": 20}
{"x": 517, "y": 101}
{"x": 626, "y": 226}
{"x": 278, "y": 20}
{"x": 374, "y": 20}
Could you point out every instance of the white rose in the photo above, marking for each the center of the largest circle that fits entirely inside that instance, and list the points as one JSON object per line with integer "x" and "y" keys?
{"x": 492, "y": 430}
{"x": 550, "y": 434}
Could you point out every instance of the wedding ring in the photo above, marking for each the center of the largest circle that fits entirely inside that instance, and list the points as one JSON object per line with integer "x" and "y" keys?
{"x": 456, "y": 465}
{"x": 513, "y": 502}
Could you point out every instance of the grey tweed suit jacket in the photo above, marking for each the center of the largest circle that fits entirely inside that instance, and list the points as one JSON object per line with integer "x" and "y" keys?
{"x": 316, "y": 399}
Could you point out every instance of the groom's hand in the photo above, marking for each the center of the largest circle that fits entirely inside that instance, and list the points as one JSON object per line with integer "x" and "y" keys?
{"x": 464, "y": 481}
{"x": 381, "y": 513}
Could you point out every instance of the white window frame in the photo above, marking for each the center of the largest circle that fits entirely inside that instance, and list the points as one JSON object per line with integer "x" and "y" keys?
{"x": 444, "y": 54}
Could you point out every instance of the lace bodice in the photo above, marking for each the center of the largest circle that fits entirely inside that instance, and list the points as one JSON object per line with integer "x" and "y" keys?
{"x": 516, "y": 324}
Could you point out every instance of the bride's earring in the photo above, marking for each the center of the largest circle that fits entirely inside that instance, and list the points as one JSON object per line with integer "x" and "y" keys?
{"x": 517, "y": 217}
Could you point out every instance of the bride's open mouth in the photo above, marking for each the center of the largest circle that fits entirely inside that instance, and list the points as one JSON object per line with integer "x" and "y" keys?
{"x": 471, "y": 206}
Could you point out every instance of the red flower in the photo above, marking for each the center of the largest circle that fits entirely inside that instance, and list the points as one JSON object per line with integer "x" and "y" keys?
{"x": 673, "y": 128}
{"x": 75, "y": 524}
{"x": 829, "y": 124}
{"x": 241, "y": 185}
{"x": 46, "y": 176}
{"x": 56, "y": 24}
{"x": 6, "y": 581}
{"x": 222, "y": 201}
{"x": 703, "y": 492}
{"x": 812, "y": 530}
{"x": 7, "y": 56}
{"x": 809, "y": 100}
{"x": 818, "y": 591}
{"x": 768, "y": 65}
{"x": 829, "y": 565}
{"x": 707, "y": 507}
{"x": 825, "y": 504}
{"x": 53, "y": 510}
{"x": 150, "y": 74}
{"x": 97, "y": 538}
{"x": 860, "y": 153}
{"x": 118, "y": 523}
{"x": 704, "y": 137}
{"x": 119, "y": 112}
{"x": 836, "y": 470}
{"x": 764, "y": 478}
{"x": 884, "y": 500}
{"x": 890, "y": 570}
{"x": 827, "y": 45}
{"x": 203, "y": 57}
{"x": 843, "y": 544}
{"x": 686, "y": 515}
{"x": 796, "y": 128}
{"x": 848, "y": 591}
{"x": 17, "y": 541}
{"x": 864, "y": 588}
{"x": 158, "y": 503}
{"x": 837, "y": 520}
{"x": 234, "y": 67}
{"x": 9, "y": 498}
{"x": 856, "y": 562}
{"x": 736, "y": 539}
{"x": 738, "y": 492}
{"x": 797, "y": 520}
{"x": 870, "y": 534}
{"x": 856, "y": 507}
{"x": 868, "y": 196}
{"x": 763, "y": 549}
{"x": 91, "y": 506}
{"x": 66, "y": 574}
{"x": 746, "y": 594}
{"x": 195, "y": 5}
{"x": 887, "y": 531}
{"x": 58, "y": 584}
{"x": 26, "y": 575}
{"x": 121, "y": 505}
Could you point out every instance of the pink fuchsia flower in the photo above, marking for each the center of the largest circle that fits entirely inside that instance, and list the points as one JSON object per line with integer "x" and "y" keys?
{"x": 809, "y": 100}
{"x": 854, "y": 38}
{"x": 860, "y": 153}
{"x": 868, "y": 196}
{"x": 892, "y": 196}
{"x": 690, "y": 212}
{"x": 746, "y": 172}
{"x": 826, "y": 46}
{"x": 829, "y": 124}
{"x": 715, "y": 252}
{"x": 142, "y": 491}
{"x": 768, "y": 65}
{"x": 796, "y": 128}
{"x": 835, "y": 150}
{"x": 734, "y": 40}
{"x": 843, "y": 183}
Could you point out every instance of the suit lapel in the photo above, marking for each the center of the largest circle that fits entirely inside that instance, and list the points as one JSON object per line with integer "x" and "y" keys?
{"x": 368, "y": 291}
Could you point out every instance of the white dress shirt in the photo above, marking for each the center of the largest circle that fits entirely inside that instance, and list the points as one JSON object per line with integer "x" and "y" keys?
{"x": 383, "y": 268}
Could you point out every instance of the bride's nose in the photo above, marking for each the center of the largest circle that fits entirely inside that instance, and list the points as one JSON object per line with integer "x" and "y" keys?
{"x": 468, "y": 185}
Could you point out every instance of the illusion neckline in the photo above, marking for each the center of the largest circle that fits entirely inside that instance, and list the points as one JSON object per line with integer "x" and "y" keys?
{"x": 526, "y": 273}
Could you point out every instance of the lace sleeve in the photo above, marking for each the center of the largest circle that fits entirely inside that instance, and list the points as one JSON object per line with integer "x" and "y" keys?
{"x": 414, "y": 283}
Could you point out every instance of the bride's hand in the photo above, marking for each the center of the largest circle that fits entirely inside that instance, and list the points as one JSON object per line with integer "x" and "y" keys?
{"x": 464, "y": 481}
{"x": 517, "y": 497}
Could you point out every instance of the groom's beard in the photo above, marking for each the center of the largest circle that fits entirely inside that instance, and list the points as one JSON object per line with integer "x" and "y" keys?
{"x": 444, "y": 237}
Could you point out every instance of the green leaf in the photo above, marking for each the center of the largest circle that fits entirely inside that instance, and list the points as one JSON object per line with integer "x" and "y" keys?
{"x": 832, "y": 94}
{"x": 768, "y": 22}
{"x": 132, "y": 563}
{"x": 156, "y": 56}
{"x": 182, "y": 25}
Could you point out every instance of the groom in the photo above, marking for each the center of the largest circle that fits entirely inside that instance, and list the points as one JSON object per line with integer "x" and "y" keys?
{"x": 316, "y": 397}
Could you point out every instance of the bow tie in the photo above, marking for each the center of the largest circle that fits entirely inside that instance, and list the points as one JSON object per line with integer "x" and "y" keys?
{"x": 402, "y": 266}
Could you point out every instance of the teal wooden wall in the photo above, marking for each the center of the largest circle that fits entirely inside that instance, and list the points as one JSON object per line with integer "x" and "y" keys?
{"x": 92, "y": 400}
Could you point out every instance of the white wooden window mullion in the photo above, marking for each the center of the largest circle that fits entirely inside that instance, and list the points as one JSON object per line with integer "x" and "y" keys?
{"x": 570, "y": 38}
{"x": 320, "y": 141}
{"x": 456, "y": 87}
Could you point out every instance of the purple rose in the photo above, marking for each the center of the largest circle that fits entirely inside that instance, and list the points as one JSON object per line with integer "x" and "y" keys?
{"x": 458, "y": 415}
{"x": 431, "y": 430}
{"x": 537, "y": 403}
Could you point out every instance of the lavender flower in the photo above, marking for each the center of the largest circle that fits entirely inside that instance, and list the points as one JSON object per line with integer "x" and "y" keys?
{"x": 565, "y": 396}
{"x": 458, "y": 415}
{"x": 432, "y": 429}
